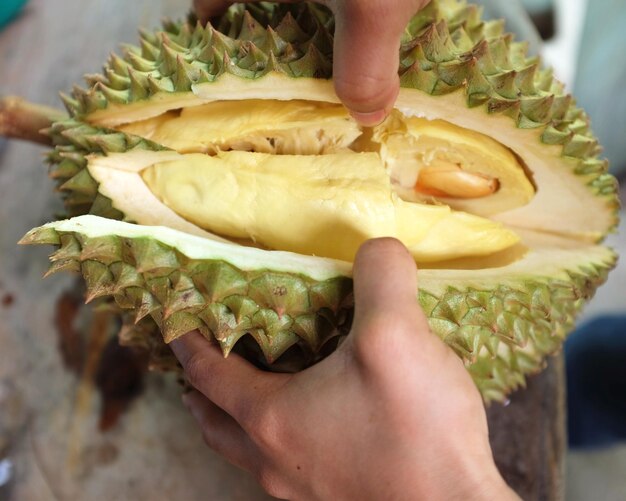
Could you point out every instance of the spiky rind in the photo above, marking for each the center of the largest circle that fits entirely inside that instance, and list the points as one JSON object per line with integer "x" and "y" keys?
{"x": 185, "y": 55}
{"x": 220, "y": 300}
{"x": 74, "y": 141}
{"x": 447, "y": 48}
{"x": 502, "y": 333}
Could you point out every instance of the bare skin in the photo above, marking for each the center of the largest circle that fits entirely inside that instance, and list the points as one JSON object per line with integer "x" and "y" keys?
{"x": 366, "y": 52}
{"x": 392, "y": 414}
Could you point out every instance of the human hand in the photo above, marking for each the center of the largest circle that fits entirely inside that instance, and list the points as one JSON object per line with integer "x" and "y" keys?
{"x": 392, "y": 414}
{"x": 366, "y": 52}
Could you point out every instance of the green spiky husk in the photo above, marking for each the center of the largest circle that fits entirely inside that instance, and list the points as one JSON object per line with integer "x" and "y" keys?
{"x": 447, "y": 48}
{"x": 181, "y": 294}
{"x": 501, "y": 332}
{"x": 74, "y": 141}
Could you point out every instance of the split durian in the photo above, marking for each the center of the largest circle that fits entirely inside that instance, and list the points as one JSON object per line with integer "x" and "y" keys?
{"x": 215, "y": 182}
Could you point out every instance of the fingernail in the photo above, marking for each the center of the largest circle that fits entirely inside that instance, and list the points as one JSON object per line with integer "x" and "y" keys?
{"x": 369, "y": 119}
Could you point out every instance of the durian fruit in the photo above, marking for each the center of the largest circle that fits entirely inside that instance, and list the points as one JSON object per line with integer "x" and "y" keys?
{"x": 216, "y": 183}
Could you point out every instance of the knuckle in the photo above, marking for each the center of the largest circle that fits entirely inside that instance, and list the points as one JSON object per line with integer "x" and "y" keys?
{"x": 382, "y": 340}
{"x": 370, "y": 91}
{"x": 209, "y": 438}
{"x": 384, "y": 326}
{"x": 264, "y": 428}
{"x": 270, "y": 482}
{"x": 196, "y": 369}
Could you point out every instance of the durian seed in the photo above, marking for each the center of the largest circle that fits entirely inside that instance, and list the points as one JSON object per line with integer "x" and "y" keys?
{"x": 446, "y": 179}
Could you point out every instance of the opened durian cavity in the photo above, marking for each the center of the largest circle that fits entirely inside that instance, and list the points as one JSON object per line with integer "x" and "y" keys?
{"x": 302, "y": 176}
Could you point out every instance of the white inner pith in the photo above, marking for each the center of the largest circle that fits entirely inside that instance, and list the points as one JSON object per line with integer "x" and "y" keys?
{"x": 324, "y": 132}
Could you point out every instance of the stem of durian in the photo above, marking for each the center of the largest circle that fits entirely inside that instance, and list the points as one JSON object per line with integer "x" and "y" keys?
{"x": 23, "y": 120}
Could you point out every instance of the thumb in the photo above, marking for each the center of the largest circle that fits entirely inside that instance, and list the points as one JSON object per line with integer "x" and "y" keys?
{"x": 385, "y": 289}
{"x": 366, "y": 55}
{"x": 389, "y": 324}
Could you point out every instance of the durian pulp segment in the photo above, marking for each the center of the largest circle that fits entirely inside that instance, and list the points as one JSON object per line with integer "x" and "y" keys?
{"x": 316, "y": 192}
{"x": 265, "y": 126}
{"x": 407, "y": 144}
{"x": 317, "y": 205}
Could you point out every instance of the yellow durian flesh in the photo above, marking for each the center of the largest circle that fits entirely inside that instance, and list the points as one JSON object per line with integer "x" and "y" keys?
{"x": 318, "y": 205}
{"x": 265, "y": 126}
{"x": 302, "y": 176}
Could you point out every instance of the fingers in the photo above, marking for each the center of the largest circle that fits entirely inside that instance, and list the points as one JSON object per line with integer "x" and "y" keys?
{"x": 385, "y": 290}
{"x": 366, "y": 52}
{"x": 366, "y": 60}
{"x": 220, "y": 431}
{"x": 206, "y": 9}
{"x": 385, "y": 277}
{"x": 233, "y": 384}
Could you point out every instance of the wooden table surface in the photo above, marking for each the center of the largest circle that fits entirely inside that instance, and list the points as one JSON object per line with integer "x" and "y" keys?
{"x": 50, "y": 405}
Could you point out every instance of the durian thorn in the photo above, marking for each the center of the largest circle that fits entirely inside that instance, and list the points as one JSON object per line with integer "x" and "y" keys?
{"x": 41, "y": 236}
{"x": 446, "y": 179}
{"x": 23, "y": 120}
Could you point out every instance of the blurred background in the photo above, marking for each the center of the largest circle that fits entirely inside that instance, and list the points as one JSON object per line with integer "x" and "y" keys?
{"x": 584, "y": 40}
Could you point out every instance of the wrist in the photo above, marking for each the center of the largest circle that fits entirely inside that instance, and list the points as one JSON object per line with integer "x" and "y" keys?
{"x": 478, "y": 479}
{"x": 490, "y": 486}
{"x": 464, "y": 476}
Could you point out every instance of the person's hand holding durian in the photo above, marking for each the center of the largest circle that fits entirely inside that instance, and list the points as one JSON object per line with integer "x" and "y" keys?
{"x": 354, "y": 426}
